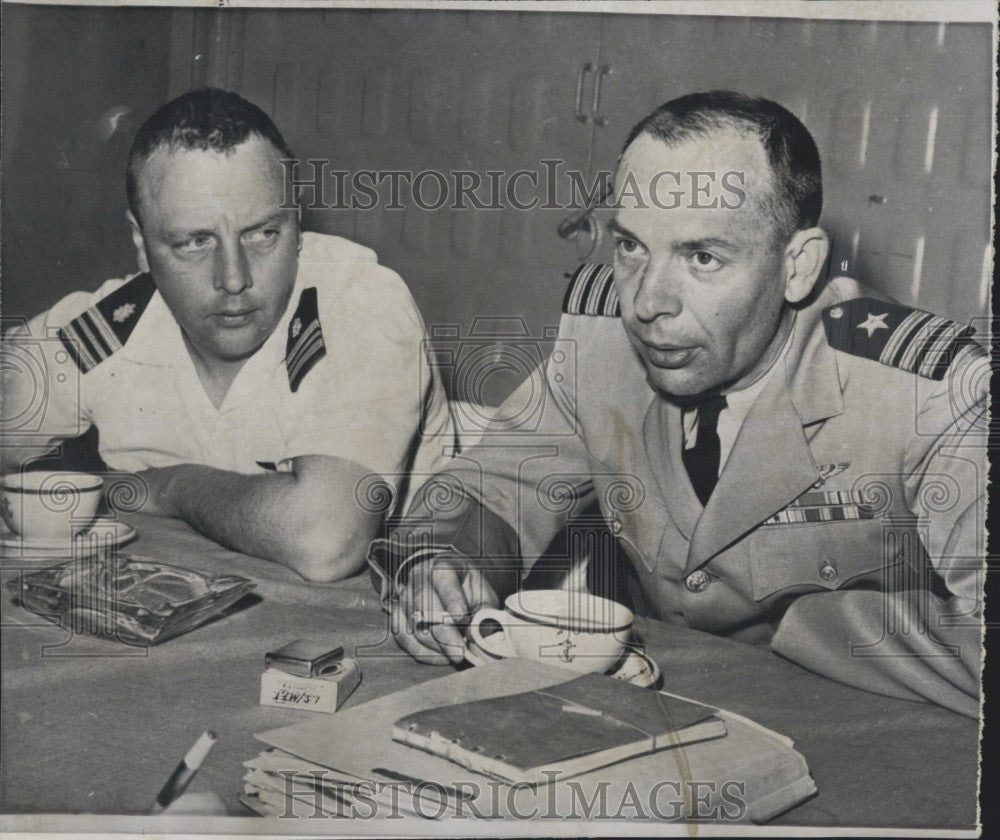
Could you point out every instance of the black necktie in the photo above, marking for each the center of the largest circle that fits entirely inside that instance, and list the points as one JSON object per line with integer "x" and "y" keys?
{"x": 702, "y": 460}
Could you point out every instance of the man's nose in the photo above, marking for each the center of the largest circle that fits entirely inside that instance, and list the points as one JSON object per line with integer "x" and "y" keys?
{"x": 232, "y": 270}
{"x": 659, "y": 292}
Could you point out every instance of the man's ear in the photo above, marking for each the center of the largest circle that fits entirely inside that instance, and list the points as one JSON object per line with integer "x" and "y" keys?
{"x": 805, "y": 256}
{"x": 138, "y": 241}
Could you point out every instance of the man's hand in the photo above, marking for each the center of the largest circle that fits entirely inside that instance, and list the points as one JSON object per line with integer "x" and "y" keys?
{"x": 442, "y": 594}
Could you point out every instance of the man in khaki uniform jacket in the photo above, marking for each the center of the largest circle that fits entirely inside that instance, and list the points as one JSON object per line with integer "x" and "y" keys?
{"x": 844, "y": 525}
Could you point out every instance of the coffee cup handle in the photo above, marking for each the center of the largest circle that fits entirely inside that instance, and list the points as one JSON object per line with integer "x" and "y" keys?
{"x": 498, "y": 644}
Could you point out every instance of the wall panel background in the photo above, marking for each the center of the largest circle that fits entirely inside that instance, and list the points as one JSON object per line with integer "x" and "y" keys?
{"x": 902, "y": 114}
{"x": 77, "y": 83}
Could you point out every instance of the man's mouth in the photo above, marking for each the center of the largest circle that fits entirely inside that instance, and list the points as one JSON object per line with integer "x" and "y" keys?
{"x": 234, "y": 319}
{"x": 668, "y": 355}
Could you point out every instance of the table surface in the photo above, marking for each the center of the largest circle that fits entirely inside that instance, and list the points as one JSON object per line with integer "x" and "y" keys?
{"x": 92, "y": 726}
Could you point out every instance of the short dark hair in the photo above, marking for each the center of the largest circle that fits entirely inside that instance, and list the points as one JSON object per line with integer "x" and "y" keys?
{"x": 790, "y": 148}
{"x": 208, "y": 119}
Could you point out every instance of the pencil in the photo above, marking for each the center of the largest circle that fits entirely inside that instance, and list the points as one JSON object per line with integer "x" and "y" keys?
{"x": 184, "y": 772}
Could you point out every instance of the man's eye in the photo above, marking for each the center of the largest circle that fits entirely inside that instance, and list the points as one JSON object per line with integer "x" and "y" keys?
{"x": 194, "y": 244}
{"x": 704, "y": 261}
{"x": 263, "y": 236}
{"x": 626, "y": 247}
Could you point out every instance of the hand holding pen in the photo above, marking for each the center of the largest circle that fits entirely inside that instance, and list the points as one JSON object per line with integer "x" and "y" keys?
{"x": 439, "y": 599}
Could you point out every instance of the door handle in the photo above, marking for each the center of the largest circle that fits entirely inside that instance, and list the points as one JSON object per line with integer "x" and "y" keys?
{"x": 602, "y": 71}
{"x": 580, "y": 79}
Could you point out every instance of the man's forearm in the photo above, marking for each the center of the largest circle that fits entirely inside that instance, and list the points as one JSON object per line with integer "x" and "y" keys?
{"x": 290, "y": 518}
{"x": 248, "y": 513}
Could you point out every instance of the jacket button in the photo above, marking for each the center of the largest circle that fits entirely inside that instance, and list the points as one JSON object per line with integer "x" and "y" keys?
{"x": 616, "y": 526}
{"x": 828, "y": 573}
{"x": 697, "y": 581}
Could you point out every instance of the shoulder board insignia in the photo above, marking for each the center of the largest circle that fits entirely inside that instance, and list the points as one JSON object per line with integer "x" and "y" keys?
{"x": 103, "y": 329}
{"x": 895, "y": 335}
{"x": 592, "y": 291}
{"x": 305, "y": 339}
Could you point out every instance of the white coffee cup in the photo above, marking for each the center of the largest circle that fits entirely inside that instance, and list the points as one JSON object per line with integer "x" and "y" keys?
{"x": 562, "y": 627}
{"x": 49, "y": 505}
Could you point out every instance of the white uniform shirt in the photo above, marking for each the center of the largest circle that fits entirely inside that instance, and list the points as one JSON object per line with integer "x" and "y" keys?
{"x": 372, "y": 398}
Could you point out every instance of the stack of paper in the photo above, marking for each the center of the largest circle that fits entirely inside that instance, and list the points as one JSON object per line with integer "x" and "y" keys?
{"x": 348, "y": 765}
{"x": 279, "y": 784}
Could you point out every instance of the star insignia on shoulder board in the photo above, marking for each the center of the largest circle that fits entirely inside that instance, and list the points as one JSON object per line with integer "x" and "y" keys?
{"x": 123, "y": 313}
{"x": 296, "y": 327}
{"x": 898, "y": 336}
{"x": 874, "y": 322}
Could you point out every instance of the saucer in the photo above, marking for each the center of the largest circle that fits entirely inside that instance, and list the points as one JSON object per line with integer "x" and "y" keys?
{"x": 634, "y": 666}
{"x": 637, "y": 668}
{"x": 13, "y": 547}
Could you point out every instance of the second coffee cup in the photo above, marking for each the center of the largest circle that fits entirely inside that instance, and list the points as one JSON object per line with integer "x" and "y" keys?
{"x": 49, "y": 505}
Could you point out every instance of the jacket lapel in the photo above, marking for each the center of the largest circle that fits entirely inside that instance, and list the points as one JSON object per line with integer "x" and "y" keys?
{"x": 663, "y": 437}
{"x": 770, "y": 464}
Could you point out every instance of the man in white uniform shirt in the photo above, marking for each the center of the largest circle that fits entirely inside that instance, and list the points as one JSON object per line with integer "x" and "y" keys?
{"x": 255, "y": 377}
